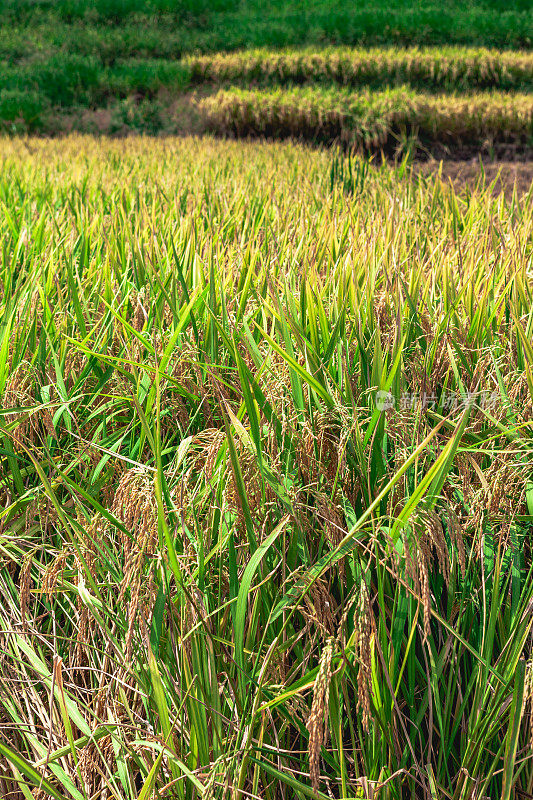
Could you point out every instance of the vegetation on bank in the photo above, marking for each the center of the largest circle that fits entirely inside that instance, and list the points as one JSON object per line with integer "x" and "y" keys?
{"x": 266, "y": 460}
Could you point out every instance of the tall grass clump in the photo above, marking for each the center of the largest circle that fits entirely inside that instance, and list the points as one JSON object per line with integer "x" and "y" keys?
{"x": 266, "y": 476}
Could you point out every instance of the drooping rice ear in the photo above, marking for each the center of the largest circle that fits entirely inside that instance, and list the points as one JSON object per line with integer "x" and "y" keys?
{"x": 317, "y": 720}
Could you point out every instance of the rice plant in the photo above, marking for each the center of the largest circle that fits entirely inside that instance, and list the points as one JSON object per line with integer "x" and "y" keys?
{"x": 266, "y": 476}
{"x": 372, "y": 120}
{"x": 444, "y": 68}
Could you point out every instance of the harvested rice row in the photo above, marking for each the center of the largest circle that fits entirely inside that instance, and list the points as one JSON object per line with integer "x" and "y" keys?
{"x": 371, "y": 119}
{"x": 448, "y": 68}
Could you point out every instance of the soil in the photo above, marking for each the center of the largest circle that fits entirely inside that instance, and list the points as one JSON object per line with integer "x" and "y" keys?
{"x": 501, "y": 175}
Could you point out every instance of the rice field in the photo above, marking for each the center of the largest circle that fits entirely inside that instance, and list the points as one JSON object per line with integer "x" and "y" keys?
{"x": 266, "y": 477}
{"x": 391, "y": 99}
{"x": 371, "y": 120}
{"x": 453, "y": 69}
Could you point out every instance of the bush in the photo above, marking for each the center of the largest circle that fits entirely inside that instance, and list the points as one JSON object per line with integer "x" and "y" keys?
{"x": 20, "y": 109}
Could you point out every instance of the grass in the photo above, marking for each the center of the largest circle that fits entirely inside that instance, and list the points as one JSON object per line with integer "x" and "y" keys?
{"x": 266, "y": 476}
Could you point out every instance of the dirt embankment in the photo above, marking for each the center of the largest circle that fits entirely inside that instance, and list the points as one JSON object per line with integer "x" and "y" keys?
{"x": 504, "y": 175}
